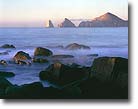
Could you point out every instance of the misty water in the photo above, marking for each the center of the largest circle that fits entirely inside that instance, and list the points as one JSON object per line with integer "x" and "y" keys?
{"x": 102, "y": 41}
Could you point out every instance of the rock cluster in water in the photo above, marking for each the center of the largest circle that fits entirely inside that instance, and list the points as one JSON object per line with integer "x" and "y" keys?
{"x": 107, "y": 78}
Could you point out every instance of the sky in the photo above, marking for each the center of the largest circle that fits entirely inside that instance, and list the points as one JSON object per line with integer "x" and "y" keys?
{"x": 24, "y": 13}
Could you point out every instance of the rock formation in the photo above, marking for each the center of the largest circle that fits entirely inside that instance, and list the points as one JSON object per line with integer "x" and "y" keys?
{"x": 106, "y": 20}
{"x": 66, "y": 23}
{"x": 50, "y": 24}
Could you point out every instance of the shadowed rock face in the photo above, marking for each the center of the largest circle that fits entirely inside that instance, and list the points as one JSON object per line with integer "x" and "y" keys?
{"x": 50, "y": 24}
{"x": 67, "y": 23}
{"x": 75, "y": 46}
{"x": 106, "y": 20}
{"x": 63, "y": 74}
{"x": 111, "y": 69}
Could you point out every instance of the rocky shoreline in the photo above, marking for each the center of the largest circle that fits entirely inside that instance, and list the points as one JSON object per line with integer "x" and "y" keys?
{"x": 106, "y": 78}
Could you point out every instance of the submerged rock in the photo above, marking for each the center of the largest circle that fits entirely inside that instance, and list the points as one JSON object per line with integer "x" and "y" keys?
{"x": 75, "y": 46}
{"x": 62, "y": 56}
{"x": 63, "y": 74}
{"x": 7, "y": 46}
{"x": 4, "y": 53}
{"x": 39, "y": 51}
{"x": 40, "y": 60}
{"x": 92, "y": 55}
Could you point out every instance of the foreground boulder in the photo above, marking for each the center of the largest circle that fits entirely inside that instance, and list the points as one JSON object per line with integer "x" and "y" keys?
{"x": 24, "y": 91}
{"x": 63, "y": 74}
{"x": 4, "y": 83}
{"x": 32, "y": 90}
{"x": 7, "y": 46}
{"x": 39, "y": 51}
{"x": 6, "y": 74}
{"x": 111, "y": 69}
{"x": 75, "y": 46}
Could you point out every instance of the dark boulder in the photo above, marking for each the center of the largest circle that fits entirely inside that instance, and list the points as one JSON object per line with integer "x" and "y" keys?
{"x": 63, "y": 74}
{"x": 32, "y": 90}
{"x": 24, "y": 91}
{"x": 4, "y": 83}
{"x": 6, "y": 74}
{"x": 39, "y": 51}
{"x": 75, "y": 46}
{"x": 111, "y": 69}
{"x": 7, "y": 46}
{"x": 92, "y": 88}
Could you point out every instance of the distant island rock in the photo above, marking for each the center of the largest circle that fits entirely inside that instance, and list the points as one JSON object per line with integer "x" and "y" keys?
{"x": 66, "y": 23}
{"x": 106, "y": 20}
{"x": 50, "y": 24}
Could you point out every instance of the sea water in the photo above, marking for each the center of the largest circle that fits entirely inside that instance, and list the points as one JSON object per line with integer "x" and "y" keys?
{"x": 102, "y": 41}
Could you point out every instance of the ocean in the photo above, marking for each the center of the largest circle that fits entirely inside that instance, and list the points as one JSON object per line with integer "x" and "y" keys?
{"x": 102, "y": 41}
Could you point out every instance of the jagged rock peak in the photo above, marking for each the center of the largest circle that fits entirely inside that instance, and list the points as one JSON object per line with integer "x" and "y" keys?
{"x": 67, "y": 23}
{"x": 50, "y": 24}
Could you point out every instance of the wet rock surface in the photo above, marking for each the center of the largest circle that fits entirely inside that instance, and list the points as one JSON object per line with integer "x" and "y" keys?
{"x": 39, "y": 51}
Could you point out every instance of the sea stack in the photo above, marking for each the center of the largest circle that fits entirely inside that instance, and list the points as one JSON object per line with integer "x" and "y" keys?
{"x": 66, "y": 23}
{"x": 50, "y": 24}
{"x": 106, "y": 20}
